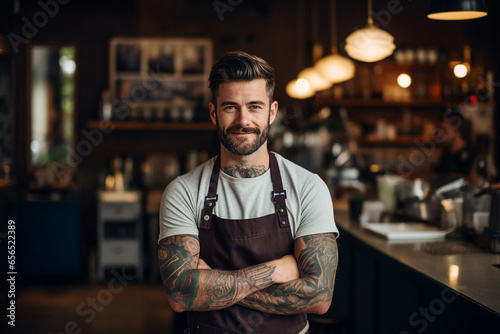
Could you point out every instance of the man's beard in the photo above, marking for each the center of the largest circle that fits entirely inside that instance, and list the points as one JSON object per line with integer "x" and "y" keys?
{"x": 242, "y": 147}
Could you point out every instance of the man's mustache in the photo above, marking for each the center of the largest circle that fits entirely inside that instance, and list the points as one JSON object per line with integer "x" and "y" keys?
{"x": 240, "y": 129}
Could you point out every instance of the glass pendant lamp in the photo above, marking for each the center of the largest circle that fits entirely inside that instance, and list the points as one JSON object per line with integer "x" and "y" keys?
{"x": 370, "y": 44}
{"x": 316, "y": 81}
{"x": 334, "y": 67}
{"x": 300, "y": 88}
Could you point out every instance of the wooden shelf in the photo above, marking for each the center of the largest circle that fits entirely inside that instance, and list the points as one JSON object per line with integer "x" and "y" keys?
{"x": 5, "y": 183}
{"x": 398, "y": 141}
{"x": 148, "y": 125}
{"x": 376, "y": 103}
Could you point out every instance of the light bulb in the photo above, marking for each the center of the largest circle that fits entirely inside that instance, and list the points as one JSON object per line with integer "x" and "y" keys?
{"x": 460, "y": 71}
{"x": 370, "y": 44}
{"x": 335, "y": 68}
{"x": 404, "y": 80}
{"x": 299, "y": 89}
{"x": 316, "y": 81}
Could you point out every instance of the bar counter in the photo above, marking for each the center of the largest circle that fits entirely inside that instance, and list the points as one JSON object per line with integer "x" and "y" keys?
{"x": 402, "y": 278}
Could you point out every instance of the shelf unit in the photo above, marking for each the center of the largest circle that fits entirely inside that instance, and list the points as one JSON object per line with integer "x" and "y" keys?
{"x": 159, "y": 75}
{"x": 373, "y": 95}
{"x": 399, "y": 141}
{"x": 120, "y": 231}
{"x": 371, "y": 102}
{"x": 151, "y": 125}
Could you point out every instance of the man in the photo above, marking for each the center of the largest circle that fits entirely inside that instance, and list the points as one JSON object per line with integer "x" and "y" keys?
{"x": 247, "y": 239}
{"x": 458, "y": 157}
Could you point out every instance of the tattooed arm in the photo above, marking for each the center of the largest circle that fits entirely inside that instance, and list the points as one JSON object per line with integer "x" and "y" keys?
{"x": 191, "y": 289}
{"x": 317, "y": 258}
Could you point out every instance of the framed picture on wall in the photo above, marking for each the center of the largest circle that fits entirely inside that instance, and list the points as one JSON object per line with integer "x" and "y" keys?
{"x": 160, "y": 78}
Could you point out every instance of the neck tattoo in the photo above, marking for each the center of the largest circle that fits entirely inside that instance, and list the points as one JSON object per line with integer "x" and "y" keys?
{"x": 243, "y": 171}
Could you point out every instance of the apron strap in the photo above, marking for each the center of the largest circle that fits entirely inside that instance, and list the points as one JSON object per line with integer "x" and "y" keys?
{"x": 278, "y": 194}
{"x": 211, "y": 198}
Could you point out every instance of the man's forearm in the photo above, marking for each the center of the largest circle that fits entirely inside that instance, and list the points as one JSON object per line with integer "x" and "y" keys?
{"x": 312, "y": 293}
{"x": 288, "y": 298}
{"x": 191, "y": 289}
{"x": 215, "y": 289}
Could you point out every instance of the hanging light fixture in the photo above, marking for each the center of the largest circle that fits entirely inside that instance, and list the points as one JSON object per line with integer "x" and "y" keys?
{"x": 315, "y": 80}
{"x": 299, "y": 88}
{"x": 452, "y": 10}
{"x": 462, "y": 68}
{"x": 335, "y": 67}
{"x": 371, "y": 43}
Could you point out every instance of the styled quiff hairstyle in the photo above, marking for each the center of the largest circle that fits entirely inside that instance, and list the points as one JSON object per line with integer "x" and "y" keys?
{"x": 241, "y": 66}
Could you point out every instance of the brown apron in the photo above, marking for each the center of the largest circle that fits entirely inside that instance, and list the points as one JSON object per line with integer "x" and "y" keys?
{"x": 232, "y": 244}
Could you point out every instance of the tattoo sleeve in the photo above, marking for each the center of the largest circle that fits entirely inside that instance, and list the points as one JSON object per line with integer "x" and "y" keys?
{"x": 317, "y": 258}
{"x": 192, "y": 289}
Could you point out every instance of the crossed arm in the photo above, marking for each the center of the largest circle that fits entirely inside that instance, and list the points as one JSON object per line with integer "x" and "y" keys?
{"x": 281, "y": 286}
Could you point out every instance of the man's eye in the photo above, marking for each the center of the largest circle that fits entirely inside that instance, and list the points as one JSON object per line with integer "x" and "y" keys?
{"x": 256, "y": 107}
{"x": 230, "y": 108}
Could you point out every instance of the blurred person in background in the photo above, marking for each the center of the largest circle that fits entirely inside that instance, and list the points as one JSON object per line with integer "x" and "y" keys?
{"x": 458, "y": 158}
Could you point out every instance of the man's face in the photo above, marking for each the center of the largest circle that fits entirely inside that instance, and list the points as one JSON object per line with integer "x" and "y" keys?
{"x": 243, "y": 115}
{"x": 449, "y": 134}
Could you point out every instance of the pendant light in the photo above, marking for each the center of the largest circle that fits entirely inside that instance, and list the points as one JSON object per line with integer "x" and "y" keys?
{"x": 299, "y": 88}
{"x": 315, "y": 80}
{"x": 370, "y": 44}
{"x": 335, "y": 67}
{"x": 452, "y": 10}
{"x": 461, "y": 69}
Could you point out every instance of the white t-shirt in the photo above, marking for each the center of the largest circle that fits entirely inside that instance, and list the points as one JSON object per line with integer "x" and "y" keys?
{"x": 309, "y": 203}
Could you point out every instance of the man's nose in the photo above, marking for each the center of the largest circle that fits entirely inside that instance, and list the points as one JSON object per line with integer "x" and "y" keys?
{"x": 243, "y": 116}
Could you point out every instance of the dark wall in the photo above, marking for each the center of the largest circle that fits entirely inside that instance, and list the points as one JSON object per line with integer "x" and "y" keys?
{"x": 266, "y": 28}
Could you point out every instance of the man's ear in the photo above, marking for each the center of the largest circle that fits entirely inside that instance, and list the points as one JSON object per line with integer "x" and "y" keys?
{"x": 213, "y": 112}
{"x": 273, "y": 112}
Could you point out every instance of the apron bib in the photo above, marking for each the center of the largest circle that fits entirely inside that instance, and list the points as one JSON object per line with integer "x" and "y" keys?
{"x": 233, "y": 244}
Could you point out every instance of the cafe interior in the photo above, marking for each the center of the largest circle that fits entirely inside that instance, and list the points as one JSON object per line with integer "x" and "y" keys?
{"x": 103, "y": 103}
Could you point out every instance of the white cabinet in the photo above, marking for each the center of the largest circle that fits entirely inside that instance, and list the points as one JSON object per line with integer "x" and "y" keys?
{"x": 120, "y": 233}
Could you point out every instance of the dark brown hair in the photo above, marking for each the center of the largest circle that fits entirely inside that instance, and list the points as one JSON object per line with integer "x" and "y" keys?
{"x": 241, "y": 66}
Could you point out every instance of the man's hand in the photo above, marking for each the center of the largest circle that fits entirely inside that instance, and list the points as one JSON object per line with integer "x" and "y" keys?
{"x": 286, "y": 269}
